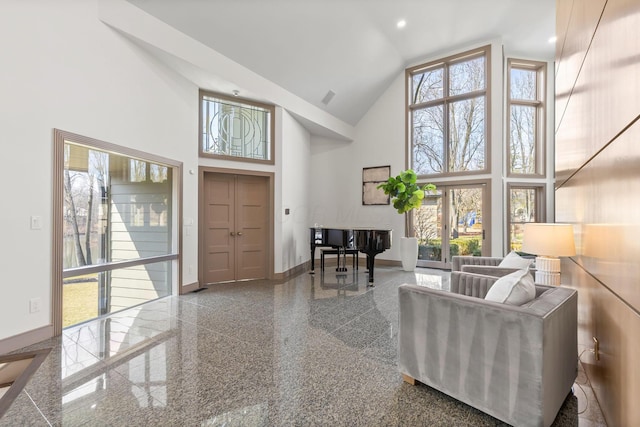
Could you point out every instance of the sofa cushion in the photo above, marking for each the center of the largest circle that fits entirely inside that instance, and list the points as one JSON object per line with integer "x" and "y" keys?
{"x": 513, "y": 260}
{"x": 515, "y": 289}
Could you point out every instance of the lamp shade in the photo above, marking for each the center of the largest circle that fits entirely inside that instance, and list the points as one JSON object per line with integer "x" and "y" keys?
{"x": 554, "y": 240}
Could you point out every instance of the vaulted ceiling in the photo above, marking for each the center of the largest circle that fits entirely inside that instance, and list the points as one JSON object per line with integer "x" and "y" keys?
{"x": 353, "y": 48}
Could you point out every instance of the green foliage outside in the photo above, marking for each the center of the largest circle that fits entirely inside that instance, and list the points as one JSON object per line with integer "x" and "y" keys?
{"x": 430, "y": 252}
{"x": 460, "y": 246}
{"x": 466, "y": 246}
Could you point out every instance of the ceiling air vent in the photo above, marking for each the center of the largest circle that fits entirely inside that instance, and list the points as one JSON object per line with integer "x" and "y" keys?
{"x": 328, "y": 97}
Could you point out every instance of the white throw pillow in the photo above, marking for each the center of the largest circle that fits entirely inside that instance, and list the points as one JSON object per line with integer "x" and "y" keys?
{"x": 513, "y": 260}
{"x": 515, "y": 289}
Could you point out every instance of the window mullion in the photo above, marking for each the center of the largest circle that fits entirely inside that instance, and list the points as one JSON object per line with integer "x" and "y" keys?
{"x": 445, "y": 120}
{"x": 455, "y": 98}
{"x": 526, "y": 102}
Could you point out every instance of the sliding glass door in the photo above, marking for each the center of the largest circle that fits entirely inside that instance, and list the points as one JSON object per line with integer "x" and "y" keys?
{"x": 453, "y": 220}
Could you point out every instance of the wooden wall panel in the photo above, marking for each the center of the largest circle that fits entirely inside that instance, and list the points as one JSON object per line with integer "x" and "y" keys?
{"x": 602, "y": 200}
{"x": 598, "y": 190}
{"x": 576, "y": 21}
{"x": 615, "y": 377}
{"x": 563, "y": 15}
{"x": 604, "y": 99}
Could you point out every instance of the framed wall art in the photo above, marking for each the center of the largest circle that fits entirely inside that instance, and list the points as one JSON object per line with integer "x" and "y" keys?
{"x": 371, "y": 178}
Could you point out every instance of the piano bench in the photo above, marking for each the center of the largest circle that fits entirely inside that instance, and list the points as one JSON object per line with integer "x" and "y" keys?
{"x": 353, "y": 252}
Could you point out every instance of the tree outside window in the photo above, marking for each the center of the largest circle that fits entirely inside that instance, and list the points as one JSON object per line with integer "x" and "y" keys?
{"x": 449, "y": 114}
{"x": 526, "y": 110}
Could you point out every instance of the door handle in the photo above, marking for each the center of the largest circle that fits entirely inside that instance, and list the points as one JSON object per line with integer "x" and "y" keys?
{"x": 232, "y": 233}
{"x": 239, "y": 233}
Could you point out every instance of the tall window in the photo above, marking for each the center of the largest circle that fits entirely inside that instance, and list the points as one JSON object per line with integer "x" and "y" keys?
{"x": 236, "y": 129}
{"x": 116, "y": 243}
{"x": 526, "y": 109}
{"x": 526, "y": 204}
{"x": 448, "y": 110}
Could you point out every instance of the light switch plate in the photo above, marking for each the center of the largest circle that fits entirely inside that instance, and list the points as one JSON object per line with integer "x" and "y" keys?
{"x": 36, "y": 222}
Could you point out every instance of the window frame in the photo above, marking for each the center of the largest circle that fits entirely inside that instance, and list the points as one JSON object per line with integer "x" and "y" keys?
{"x": 58, "y": 272}
{"x": 540, "y": 200}
{"x": 541, "y": 115}
{"x": 271, "y": 108}
{"x": 447, "y": 62}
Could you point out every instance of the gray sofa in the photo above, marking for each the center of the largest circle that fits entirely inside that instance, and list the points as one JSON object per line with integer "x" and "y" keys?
{"x": 516, "y": 363}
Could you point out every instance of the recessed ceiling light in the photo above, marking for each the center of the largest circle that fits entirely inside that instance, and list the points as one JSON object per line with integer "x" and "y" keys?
{"x": 552, "y": 39}
{"x": 401, "y": 23}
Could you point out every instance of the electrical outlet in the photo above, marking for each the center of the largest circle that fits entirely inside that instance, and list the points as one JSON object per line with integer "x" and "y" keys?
{"x": 35, "y": 305}
{"x": 190, "y": 269}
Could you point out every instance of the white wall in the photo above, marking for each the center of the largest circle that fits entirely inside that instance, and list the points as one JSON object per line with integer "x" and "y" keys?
{"x": 336, "y": 169}
{"x": 63, "y": 68}
{"x": 292, "y": 243}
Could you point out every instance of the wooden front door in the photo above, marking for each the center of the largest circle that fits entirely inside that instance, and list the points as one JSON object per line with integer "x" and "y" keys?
{"x": 236, "y": 231}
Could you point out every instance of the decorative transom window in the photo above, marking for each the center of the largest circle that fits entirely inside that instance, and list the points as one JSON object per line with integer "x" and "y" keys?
{"x": 526, "y": 123}
{"x": 448, "y": 111}
{"x": 236, "y": 128}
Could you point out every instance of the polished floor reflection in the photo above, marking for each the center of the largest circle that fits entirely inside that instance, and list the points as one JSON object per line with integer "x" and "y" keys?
{"x": 315, "y": 350}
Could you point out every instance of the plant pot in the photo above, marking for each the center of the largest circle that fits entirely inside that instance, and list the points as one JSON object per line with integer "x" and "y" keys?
{"x": 409, "y": 252}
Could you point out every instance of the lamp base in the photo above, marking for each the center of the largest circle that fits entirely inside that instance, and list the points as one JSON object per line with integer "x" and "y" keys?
{"x": 549, "y": 279}
{"x": 548, "y": 271}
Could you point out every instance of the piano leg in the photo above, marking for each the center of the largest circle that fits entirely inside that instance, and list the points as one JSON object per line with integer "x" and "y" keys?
{"x": 313, "y": 258}
{"x": 370, "y": 261}
{"x": 342, "y": 259}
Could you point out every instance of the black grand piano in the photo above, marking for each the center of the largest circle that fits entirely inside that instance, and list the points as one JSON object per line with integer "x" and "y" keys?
{"x": 368, "y": 241}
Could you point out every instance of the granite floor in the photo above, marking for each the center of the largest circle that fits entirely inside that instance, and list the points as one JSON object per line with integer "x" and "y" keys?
{"x": 314, "y": 350}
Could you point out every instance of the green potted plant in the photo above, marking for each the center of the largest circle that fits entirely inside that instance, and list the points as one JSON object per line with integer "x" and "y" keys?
{"x": 406, "y": 195}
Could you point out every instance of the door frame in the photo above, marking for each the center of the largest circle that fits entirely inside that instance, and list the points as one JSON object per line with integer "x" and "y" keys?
{"x": 486, "y": 218}
{"x": 270, "y": 176}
